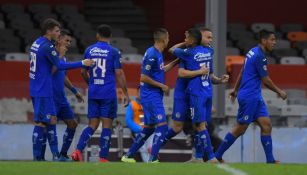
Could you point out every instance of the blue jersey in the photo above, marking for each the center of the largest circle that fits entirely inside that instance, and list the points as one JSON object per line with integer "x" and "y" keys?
{"x": 254, "y": 69}
{"x": 181, "y": 84}
{"x": 102, "y": 82}
{"x": 195, "y": 58}
{"x": 153, "y": 67}
{"x": 59, "y": 95}
{"x": 42, "y": 58}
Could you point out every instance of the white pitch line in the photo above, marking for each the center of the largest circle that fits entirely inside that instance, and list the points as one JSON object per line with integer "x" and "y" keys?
{"x": 231, "y": 170}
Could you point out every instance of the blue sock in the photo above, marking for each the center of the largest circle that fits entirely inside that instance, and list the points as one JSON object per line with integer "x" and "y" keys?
{"x": 139, "y": 141}
{"x": 205, "y": 140}
{"x": 266, "y": 141}
{"x": 227, "y": 142}
{"x": 105, "y": 140}
{"x": 44, "y": 142}
{"x": 169, "y": 134}
{"x": 37, "y": 140}
{"x": 67, "y": 139}
{"x": 158, "y": 139}
{"x": 53, "y": 140}
{"x": 199, "y": 148}
{"x": 85, "y": 136}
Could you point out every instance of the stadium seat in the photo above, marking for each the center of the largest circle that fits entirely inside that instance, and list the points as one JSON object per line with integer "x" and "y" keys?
{"x": 246, "y": 44}
{"x": 277, "y": 102}
{"x": 18, "y": 17}
{"x": 282, "y": 44}
{"x": 39, "y": 17}
{"x": 292, "y": 60}
{"x": 271, "y": 60}
{"x": 2, "y": 24}
{"x": 294, "y": 110}
{"x": 232, "y": 51}
{"x": 256, "y": 27}
{"x": 132, "y": 58}
{"x": 120, "y": 41}
{"x": 16, "y": 57}
{"x": 229, "y": 43}
{"x": 301, "y": 45}
{"x": 1, "y": 16}
{"x": 61, "y": 9}
{"x": 74, "y": 57}
{"x": 278, "y": 53}
{"x": 12, "y": 8}
{"x": 296, "y": 93}
{"x": 285, "y": 28}
{"x": 274, "y": 111}
{"x": 297, "y": 36}
{"x": 305, "y": 53}
{"x": 39, "y": 8}
{"x": 241, "y": 35}
{"x": 297, "y": 101}
{"x": 233, "y": 59}
{"x": 231, "y": 110}
{"x": 235, "y": 27}
{"x": 128, "y": 49}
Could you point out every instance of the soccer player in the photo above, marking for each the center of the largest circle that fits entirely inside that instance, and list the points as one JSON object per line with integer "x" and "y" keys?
{"x": 43, "y": 57}
{"x": 251, "y": 104}
{"x": 135, "y": 122}
{"x": 152, "y": 88}
{"x": 199, "y": 88}
{"x": 63, "y": 109}
{"x": 102, "y": 99}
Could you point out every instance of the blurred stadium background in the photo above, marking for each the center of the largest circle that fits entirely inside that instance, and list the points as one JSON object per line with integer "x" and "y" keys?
{"x": 132, "y": 22}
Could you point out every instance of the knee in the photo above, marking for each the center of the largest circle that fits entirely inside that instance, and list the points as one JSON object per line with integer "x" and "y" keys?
{"x": 178, "y": 127}
{"x": 266, "y": 128}
{"x": 239, "y": 130}
{"x": 72, "y": 125}
{"x": 94, "y": 125}
{"x": 200, "y": 126}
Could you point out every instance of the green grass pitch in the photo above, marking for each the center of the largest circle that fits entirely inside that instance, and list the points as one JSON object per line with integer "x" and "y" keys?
{"x": 54, "y": 168}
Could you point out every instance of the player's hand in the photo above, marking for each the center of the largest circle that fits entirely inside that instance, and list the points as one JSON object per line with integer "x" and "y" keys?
{"x": 282, "y": 94}
{"x": 233, "y": 95}
{"x": 79, "y": 97}
{"x": 126, "y": 101}
{"x": 203, "y": 70}
{"x": 88, "y": 62}
{"x": 165, "y": 89}
{"x": 225, "y": 79}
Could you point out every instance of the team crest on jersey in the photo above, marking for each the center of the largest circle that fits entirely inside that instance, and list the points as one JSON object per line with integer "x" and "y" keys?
{"x": 246, "y": 117}
{"x": 53, "y": 53}
{"x": 265, "y": 68}
{"x": 177, "y": 115}
{"x": 159, "y": 117}
{"x": 48, "y": 116}
{"x": 147, "y": 67}
{"x": 161, "y": 66}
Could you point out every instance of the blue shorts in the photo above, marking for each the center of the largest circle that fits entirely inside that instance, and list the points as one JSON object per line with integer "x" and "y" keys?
{"x": 105, "y": 108}
{"x": 181, "y": 110}
{"x": 200, "y": 108}
{"x": 154, "y": 112}
{"x": 44, "y": 108}
{"x": 64, "y": 111}
{"x": 250, "y": 110}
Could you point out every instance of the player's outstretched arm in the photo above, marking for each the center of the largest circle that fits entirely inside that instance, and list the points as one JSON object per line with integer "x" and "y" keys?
{"x": 61, "y": 65}
{"x": 85, "y": 75}
{"x": 170, "y": 65}
{"x": 120, "y": 76}
{"x": 179, "y": 45}
{"x": 184, "y": 73}
{"x": 217, "y": 80}
{"x": 74, "y": 90}
{"x": 269, "y": 84}
{"x": 148, "y": 80}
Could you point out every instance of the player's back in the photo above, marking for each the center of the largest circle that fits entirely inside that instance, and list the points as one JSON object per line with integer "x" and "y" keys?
{"x": 153, "y": 67}
{"x": 198, "y": 57}
{"x": 254, "y": 69}
{"x": 41, "y": 68}
{"x": 102, "y": 82}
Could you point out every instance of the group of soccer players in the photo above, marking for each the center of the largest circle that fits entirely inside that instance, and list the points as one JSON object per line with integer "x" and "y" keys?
{"x": 101, "y": 67}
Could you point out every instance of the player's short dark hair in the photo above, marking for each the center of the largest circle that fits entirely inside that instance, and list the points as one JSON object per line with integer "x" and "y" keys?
{"x": 104, "y": 31}
{"x": 66, "y": 32}
{"x": 49, "y": 24}
{"x": 195, "y": 33}
{"x": 264, "y": 34}
{"x": 159, "y": 33}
